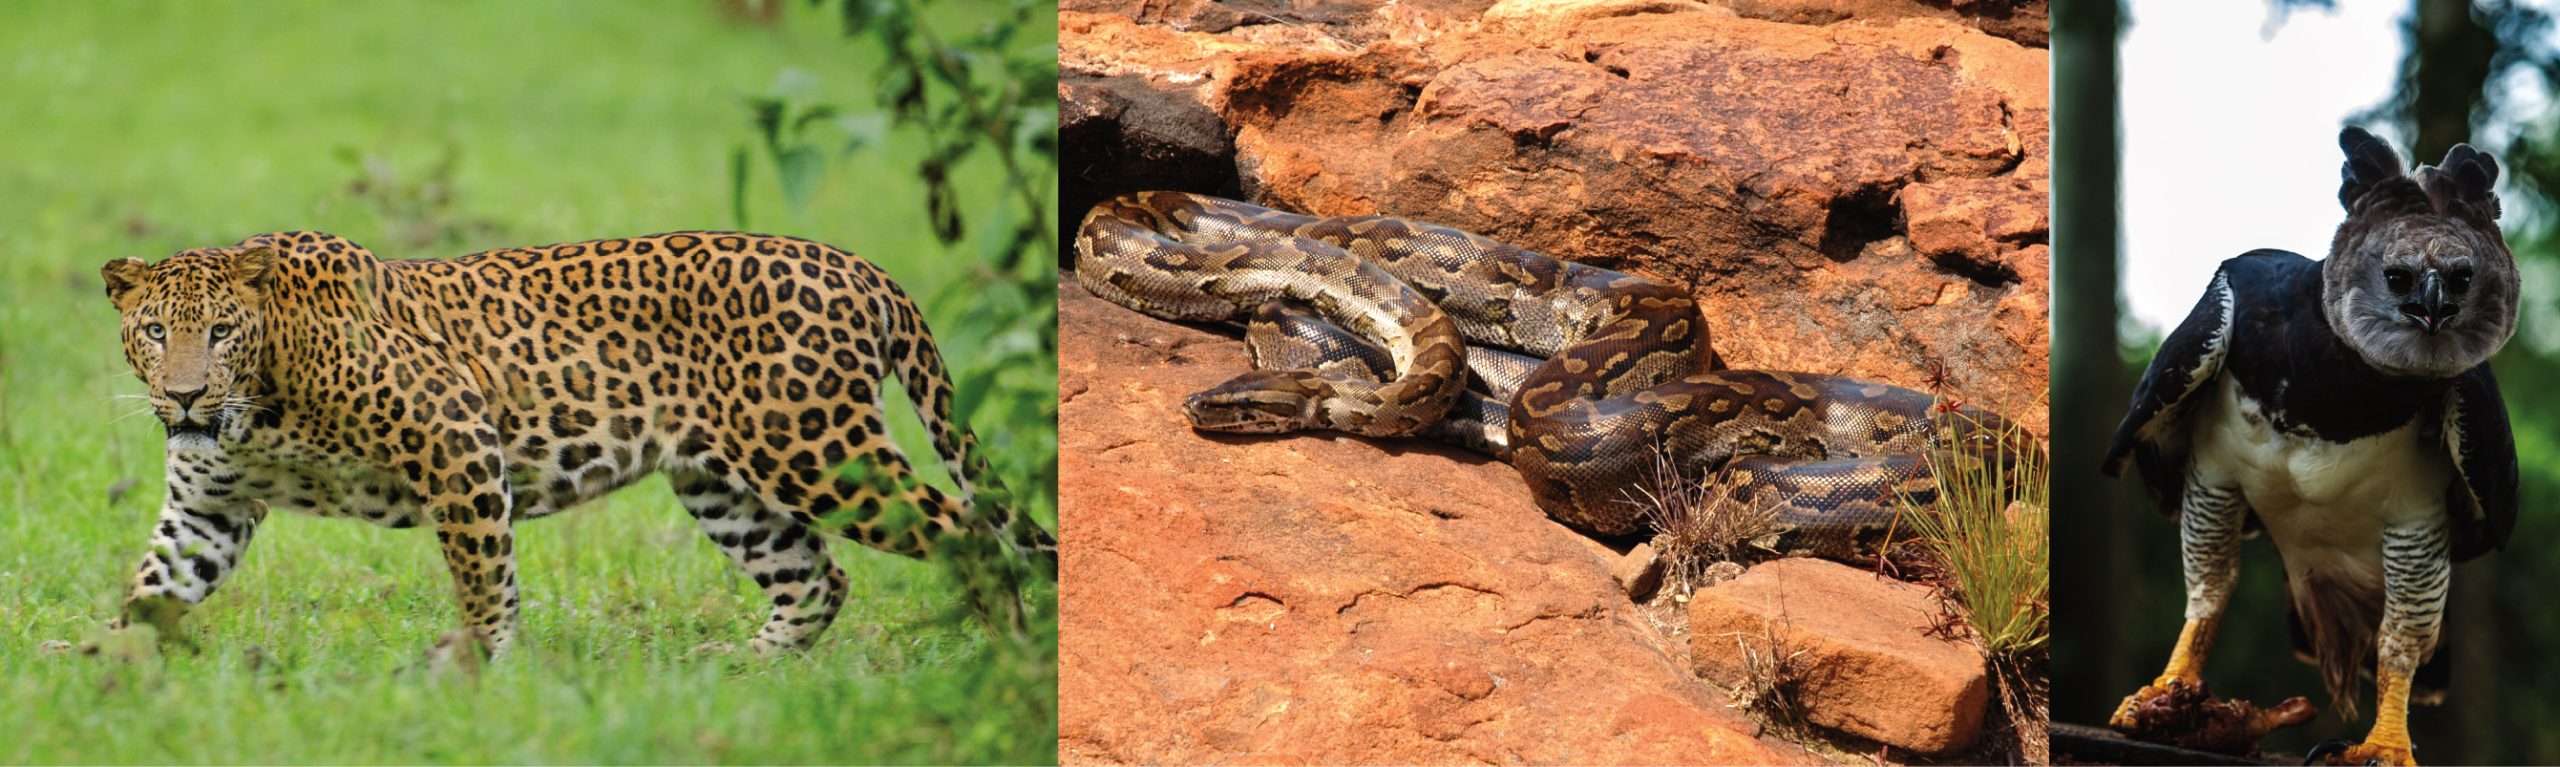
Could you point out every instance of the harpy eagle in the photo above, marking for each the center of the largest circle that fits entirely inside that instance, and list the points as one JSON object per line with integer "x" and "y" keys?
{"x": 2346, "y": 408}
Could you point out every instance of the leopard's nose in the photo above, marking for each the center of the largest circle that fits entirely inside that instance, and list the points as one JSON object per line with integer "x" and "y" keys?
{"x": 186, "y": 399}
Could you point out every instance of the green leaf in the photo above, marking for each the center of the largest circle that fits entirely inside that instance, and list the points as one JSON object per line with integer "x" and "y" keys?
{"x": 793, "y": 83}
{"x": 800, "y": 166}
{"x": 800, "y": 125}
{"x": 996, "y": 242}
{"x": 970, "y": 390}
{"x": 942, "y": 205}
{"x": 768, "y": 118}
{"x": 738, "y": 171}
{"x": 862, "y": 130}
{"x": 1038, "y": 129}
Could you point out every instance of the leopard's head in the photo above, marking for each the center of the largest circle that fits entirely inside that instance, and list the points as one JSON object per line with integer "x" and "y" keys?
{"x": 194, "y": 332}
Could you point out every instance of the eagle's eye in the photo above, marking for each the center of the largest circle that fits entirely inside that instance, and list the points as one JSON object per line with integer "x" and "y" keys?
{"x": 2458, "y": 280}
{"x": 2398, "y": 279}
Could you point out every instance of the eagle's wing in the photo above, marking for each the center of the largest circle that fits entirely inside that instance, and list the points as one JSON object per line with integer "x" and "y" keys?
{"x": 2154, "y": 432}
{"x": 2483, "y": 497}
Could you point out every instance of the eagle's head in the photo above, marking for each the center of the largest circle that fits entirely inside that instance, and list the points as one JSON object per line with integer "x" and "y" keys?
{"x": 2418, "y": 280}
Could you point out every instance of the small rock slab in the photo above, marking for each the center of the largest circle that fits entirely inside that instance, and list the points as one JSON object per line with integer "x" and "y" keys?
{"x": 1863, "y": 656}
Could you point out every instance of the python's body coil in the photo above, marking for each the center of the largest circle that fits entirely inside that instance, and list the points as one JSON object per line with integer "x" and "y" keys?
{"x": 1585, "y": 378}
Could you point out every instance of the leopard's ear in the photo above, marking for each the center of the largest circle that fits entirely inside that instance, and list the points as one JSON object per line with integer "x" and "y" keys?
{"x": 253, "y": 267}
{"x": 123, "y": 276}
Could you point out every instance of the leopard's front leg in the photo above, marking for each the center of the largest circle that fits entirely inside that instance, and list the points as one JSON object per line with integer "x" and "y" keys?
{"x": 205, "y": 525}
{"x": 472, "y": 510}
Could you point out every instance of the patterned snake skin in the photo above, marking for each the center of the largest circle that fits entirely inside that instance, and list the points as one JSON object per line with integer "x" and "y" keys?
{"x": 1584, "y": 377}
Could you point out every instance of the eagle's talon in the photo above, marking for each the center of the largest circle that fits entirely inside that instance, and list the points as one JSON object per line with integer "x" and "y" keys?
{"x": 2127, "y": 718}
{"x": 2320, "y": 752}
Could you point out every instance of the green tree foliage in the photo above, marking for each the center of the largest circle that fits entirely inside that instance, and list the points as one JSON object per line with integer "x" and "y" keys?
{"x": 984, "y": 94}
{"x": 963, "y": 83}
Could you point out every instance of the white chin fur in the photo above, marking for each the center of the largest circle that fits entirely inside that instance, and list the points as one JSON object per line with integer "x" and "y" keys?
{"x": 192, "y": 442}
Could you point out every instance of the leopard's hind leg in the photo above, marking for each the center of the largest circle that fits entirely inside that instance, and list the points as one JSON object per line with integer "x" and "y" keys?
{"x": 785, "y": 556}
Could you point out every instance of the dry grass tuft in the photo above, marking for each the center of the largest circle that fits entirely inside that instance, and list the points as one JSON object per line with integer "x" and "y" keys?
{"x": 2025, "y": 699}
{"x": 1772, "y": 670}
{"x": 1698, "y": 522}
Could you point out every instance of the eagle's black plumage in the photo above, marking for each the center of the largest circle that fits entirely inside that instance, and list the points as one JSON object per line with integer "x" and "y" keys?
{"x": 2260, "y": 323}
{"x": 2484, "y": 451}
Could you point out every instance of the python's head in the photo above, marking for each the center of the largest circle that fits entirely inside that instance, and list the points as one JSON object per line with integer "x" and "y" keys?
{"x": 1260, "y": 402}
{"x": 194, "y": 333}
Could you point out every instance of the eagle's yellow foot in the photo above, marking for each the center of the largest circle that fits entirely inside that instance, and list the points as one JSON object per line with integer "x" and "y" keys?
{"x": 2370, "y": 752}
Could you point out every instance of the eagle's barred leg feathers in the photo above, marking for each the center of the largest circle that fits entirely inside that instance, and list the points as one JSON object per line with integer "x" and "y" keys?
{"x": 2416, "y": 571}
{"x": 2210, "y": 521}
{"x": 2209, "y": 526}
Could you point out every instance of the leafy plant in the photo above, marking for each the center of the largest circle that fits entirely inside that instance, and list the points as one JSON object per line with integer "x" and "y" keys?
{"x": 981, "y": 96}
{"x": 985, "y": 93}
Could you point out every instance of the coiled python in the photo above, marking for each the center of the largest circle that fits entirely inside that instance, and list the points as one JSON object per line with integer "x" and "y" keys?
{"x": 1375, "y": 325}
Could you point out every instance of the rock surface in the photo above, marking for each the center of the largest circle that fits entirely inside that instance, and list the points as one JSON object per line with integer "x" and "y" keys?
{"x": 1854, "y": 187}
{"x": 1850, "y": 186}
{"x": 2025, "y": 21}
{"x": 1862, "y": 651}
{"x": 1328, "y": 600}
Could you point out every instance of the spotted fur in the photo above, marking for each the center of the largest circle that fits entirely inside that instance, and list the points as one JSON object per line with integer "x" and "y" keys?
{"x": 298, "y": 371}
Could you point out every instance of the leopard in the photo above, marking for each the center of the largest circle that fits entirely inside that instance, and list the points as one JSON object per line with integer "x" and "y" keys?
{"x": 297, "y": 370}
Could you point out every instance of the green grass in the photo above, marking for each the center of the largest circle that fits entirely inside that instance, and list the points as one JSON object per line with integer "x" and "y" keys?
{"x": 1990, "y": 532}
{"x": 139, "y": 129}
{"x": 1989, "y": 528}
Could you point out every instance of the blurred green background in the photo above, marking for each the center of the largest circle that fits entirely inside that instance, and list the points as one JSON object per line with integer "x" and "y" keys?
{"x": 2481, "y": 73}
{"x": 429, "y": 130}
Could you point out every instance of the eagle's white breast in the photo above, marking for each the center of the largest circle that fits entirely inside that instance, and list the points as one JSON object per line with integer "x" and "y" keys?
{"x": 2324, "y": 503}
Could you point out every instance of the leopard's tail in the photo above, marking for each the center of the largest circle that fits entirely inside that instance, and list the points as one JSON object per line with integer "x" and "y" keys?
{"x": 911, "y": 352}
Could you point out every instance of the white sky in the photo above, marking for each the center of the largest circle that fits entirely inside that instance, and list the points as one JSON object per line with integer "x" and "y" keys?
{"x": 2231, "y": 135}
{"x": 2230, "y": 142}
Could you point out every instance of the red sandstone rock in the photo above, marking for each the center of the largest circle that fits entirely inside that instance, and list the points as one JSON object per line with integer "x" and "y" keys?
{"x": 1849, "y": 186}
{"x": 1863, "y": 197}
{"x": 2021, "y": 20}
{"x": 1331, "y": 600}
{"x": 1864, "y": 657}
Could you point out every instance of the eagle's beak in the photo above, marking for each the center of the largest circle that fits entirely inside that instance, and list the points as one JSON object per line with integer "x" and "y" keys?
{"x": 2432, "y": 307}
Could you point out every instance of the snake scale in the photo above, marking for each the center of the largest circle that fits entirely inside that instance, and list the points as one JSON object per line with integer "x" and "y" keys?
{"x": 1583, "y": 377}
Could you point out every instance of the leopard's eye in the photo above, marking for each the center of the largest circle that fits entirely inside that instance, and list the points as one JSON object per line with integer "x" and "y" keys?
{"x": 221, "y": 331}
{"x": 156, "y": 331}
